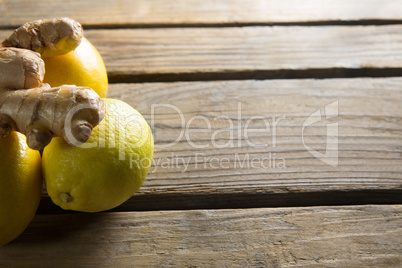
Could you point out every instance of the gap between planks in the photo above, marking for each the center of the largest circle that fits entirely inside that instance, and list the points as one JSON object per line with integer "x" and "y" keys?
{"x": 240, "y": 200}
{"x": 368, "y": 22}
{"x": 256, "y": 75}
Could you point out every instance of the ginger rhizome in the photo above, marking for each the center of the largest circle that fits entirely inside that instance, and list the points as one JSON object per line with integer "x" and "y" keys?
{"x": 41, "y": 113}
{"x": 48, "y": 37}
{"x": 20, "y": 68}
{"x": 34, "y": 108}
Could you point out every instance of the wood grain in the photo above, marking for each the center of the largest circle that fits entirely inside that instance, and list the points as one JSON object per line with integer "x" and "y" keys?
{"x": 356, "y": 236}
{"x": 184, "y": 12}
{"x": 369, "y": 166}
{"x": 220, "y": 163}
{"x": 135, "y": 54}
{"x": 369, "y": 131}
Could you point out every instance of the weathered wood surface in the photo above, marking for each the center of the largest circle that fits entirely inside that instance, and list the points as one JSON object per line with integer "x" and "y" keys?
{"x": 242, "y": 143}
{"x": 137, "y": 52}
{"x": 212, "y": 118}
{"x": 165, "y": 54}
{"x": 229, "y": 169}
{"x": 184, "y": 12}
{"x": 359, "y": 236}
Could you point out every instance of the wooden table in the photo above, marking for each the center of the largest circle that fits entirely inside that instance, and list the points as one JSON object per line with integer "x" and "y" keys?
{"x": 277, "y": 127}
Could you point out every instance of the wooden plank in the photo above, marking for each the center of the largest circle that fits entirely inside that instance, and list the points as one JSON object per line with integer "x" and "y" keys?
{"x": 160, "y": 12}
{"x": 137, "y": 52}
{"x": 182, "y": 113}
{"x": 134, "y": 53}
{"x": 282, "y": 172}
{"x": 232, "y": 170}
{"x": 352, "y": 236}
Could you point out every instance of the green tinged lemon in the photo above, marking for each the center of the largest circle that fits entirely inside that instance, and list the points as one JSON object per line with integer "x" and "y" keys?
{"x": 105, "y": 171}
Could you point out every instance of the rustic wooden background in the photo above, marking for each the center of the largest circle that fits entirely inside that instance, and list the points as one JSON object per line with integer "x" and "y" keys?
{"x": 209, "y": 59}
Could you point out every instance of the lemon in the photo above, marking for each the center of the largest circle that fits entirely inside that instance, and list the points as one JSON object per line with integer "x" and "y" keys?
{"x": 105, "y": 171}
{"x": 20, "y": 185}
{"x": 83, "y": 66}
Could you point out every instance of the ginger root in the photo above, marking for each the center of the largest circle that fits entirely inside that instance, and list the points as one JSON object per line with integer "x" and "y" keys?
{"x": 48, "y": 37}
{"x": 41, "y": 113}
{"x": 34, "y": 108}
{"x": 20, "y": 68}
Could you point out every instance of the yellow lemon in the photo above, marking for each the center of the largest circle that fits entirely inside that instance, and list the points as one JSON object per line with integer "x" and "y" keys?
{"x": 20, "y": 185}
{"x": 105, "y": 171}
{"x": 81, "y": 67}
